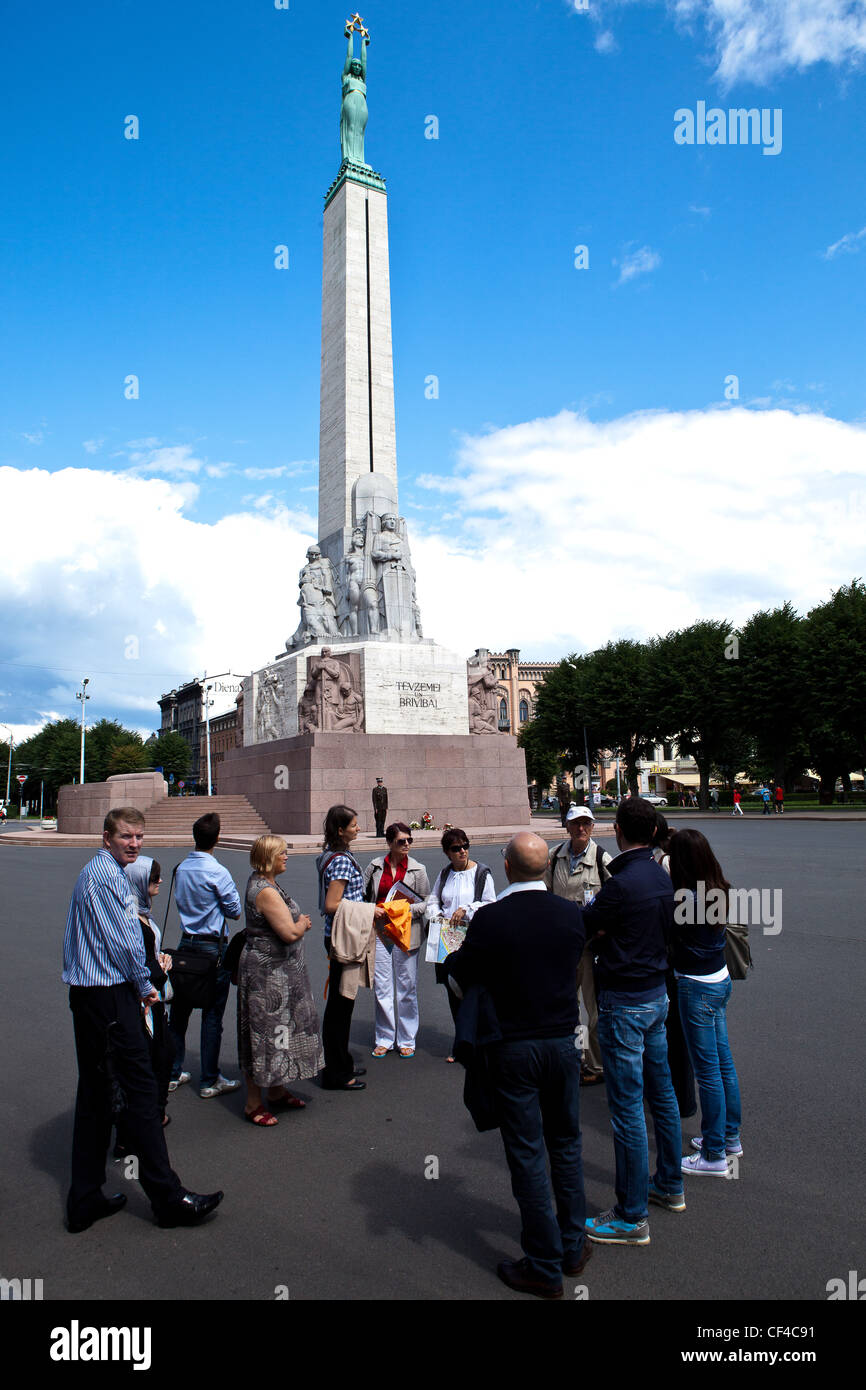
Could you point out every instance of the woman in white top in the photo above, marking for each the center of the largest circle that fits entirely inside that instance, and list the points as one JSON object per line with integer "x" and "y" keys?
{"x": 460, "y": 889}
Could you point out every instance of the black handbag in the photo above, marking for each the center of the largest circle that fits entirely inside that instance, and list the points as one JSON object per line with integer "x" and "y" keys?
{"x": 193, "y": 974}
{"x": 738, "y": 954}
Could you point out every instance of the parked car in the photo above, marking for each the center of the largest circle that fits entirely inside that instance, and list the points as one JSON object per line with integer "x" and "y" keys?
{"x": 655, "y": 800}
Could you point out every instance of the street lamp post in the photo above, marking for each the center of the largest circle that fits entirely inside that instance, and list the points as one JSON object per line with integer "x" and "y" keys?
{"x": 82, "y": 696}
{"x": 207, "y": 704}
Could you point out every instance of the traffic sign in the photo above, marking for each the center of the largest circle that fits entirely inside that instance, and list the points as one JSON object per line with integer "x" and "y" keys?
{"x": 181, "y": 785}
{"x": 21, "y": 778}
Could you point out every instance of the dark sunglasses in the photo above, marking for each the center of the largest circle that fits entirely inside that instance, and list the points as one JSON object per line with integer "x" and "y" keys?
{"x": 455, "y": 849}
{"x": 402, "y": 843}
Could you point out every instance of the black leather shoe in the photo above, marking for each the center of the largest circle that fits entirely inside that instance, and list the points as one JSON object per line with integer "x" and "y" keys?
{"x": 344, "y": 1086}
{"x": 574, "y": 1267}
{"x": 514, "y": 1274}
{"x": 192, "y": 1207}
{"x": 108, "y": 1207}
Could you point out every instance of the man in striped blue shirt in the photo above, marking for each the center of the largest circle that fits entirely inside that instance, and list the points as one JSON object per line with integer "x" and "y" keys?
{"x": 109, "y": 989}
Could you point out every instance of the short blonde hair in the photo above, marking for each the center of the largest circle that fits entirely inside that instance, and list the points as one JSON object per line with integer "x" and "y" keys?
{"x": 264, "y": 853}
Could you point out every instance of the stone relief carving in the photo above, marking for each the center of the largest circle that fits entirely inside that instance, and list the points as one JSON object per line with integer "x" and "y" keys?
{"x": 332, "y": 699}
{"x": 483, "y": 682}
{"x": 269, "y": 715}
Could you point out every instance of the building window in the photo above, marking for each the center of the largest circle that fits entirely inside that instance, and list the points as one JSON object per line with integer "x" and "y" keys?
{"x": 503, "y": 711}
{"x": 524, "y": 711}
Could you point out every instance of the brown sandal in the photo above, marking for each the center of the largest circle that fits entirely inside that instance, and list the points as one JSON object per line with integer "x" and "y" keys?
{"x": 261, "y": 1117}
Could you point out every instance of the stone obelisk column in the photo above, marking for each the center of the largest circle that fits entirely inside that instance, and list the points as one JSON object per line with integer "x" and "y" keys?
{"x": 357, "y": 434}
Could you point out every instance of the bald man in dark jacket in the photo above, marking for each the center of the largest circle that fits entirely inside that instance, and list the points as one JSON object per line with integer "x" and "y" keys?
{"x": 524, "y": 949}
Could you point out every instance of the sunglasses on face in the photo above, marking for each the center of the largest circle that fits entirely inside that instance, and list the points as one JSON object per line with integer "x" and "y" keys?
{"x": 457, "y": 849}
{"x": 402, "y": 843}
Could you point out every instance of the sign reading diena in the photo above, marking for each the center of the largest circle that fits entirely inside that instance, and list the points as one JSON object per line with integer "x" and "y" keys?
{"x": 418, "y": 694}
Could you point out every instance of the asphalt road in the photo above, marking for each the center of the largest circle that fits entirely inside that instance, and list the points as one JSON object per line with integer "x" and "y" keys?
{"x": 334, "y": 1202}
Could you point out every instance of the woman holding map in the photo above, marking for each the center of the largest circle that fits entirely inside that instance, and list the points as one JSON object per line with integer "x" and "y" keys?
{"x": 460, "y": 889}
{"x": 388, "y": 876}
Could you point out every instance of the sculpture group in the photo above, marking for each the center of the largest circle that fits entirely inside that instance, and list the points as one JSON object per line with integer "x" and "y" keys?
{"x": 370, "y": 592}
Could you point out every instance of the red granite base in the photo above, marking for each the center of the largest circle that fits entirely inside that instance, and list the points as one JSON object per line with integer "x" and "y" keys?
{"x": 469, "y": 779}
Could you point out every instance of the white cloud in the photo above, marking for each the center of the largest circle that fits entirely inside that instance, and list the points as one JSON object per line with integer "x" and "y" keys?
{"x": 171, "y": 459}
{"x": 639, "y": 262}
{"x": 850, "y": 242}
{"x": 118, "y": 559}
{"x": 92, "y": 446}
{"x": 283, "y": 470}
{"x": 756, "y": 40}
{"x": 559, "y": 535}
{"x": 605, "y": 42}
{"x": 572, "y": 533}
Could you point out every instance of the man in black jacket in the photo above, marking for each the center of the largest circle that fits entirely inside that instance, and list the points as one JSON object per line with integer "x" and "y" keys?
{"x": 631, "y": 921}
{"x": 525, "y": 949}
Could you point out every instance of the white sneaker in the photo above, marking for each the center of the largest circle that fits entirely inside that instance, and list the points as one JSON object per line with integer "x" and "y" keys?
{"x": 732, "y": 1147}
{"x": 184, "y": 1077}
{"x": 219, "y": 1088}
{"x": 705, "y": 1167}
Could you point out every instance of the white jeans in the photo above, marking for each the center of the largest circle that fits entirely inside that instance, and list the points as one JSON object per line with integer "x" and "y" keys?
{"x": 395, "y": 968}
{"x": 738, "y": 810}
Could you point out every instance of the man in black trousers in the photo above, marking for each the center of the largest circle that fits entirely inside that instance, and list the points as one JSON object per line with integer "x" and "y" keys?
{"x": 110, "y": 991}
{"x": 525, "y": 949}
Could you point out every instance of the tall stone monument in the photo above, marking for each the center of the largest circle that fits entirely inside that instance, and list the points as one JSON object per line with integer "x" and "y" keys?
{"x": 359, "y": 692}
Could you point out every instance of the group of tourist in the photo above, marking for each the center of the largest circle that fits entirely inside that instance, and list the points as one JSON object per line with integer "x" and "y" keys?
{"x": 605, "y": 926}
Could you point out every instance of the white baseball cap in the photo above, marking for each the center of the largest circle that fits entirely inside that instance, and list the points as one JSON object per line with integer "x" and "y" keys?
{"x": 578, "y": 813}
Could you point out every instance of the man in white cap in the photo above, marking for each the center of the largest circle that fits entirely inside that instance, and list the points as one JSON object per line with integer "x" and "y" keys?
{"x": 577, "y": 869}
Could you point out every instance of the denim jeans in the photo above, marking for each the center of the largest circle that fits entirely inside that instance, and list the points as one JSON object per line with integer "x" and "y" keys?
{"x": 537, "y": 1085}
{"x": 634, "y": 1048}
{"x": 211, "y": 1019}
{"x": 703, "y": 1013}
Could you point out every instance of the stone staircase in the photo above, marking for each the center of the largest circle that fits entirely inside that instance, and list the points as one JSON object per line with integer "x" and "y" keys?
{"x": 174, "y": 817}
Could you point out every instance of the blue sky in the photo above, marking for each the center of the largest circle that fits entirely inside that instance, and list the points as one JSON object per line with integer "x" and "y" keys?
{"x": 582, "y": 434}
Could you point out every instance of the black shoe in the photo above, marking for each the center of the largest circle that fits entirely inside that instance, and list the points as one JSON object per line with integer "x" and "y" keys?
{"x": 513, "y": 1273}
{"x": 344, "y": 1085}
{"x": 108, "y": 1207}
{"x": 360, "y": 1071}
{"x": 189, "y": 1209}
{"x": 573, "y": 1267}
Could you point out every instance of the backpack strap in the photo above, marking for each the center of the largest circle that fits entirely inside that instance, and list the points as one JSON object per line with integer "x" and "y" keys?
{"x": 481, "y": 873}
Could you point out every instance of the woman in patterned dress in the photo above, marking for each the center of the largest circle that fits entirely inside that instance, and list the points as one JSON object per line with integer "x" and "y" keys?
{"x": 278, "y": 1027}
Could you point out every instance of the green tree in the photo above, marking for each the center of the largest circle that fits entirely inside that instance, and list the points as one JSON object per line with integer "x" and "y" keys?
{"x": 834, "y": 653}
{"x": 617, "y": 696}
{"x": 100, "y": 742}
{"x": 693, "y": 688}
{"x": 772, "y": 693}
{"x": 542, "y": 764}
{"x": 171, "y": 753}
{"x": 563, "y": 713}
{"x": 128, "y": 757}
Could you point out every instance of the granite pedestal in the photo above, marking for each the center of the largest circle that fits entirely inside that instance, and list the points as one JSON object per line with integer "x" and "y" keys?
{"x": 466, "y": 779}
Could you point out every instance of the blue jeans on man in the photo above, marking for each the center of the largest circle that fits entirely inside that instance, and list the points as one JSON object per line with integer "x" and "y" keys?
{"x": 211, "y": 1019}
{"x": 704, "y": 1018}
{"x": 633, "y": 1041}
{"x": 537, "y": 1084}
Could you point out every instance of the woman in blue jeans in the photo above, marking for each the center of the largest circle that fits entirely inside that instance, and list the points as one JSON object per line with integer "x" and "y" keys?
{"x": 703, "y": 990}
